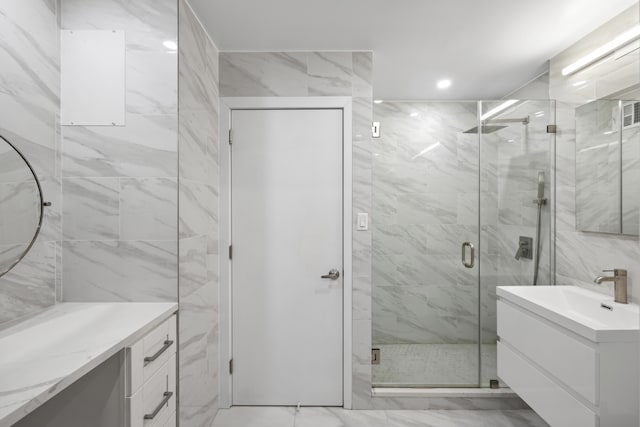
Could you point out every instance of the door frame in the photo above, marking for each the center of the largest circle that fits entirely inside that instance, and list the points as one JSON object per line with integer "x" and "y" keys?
{"x": 227, "y": 105}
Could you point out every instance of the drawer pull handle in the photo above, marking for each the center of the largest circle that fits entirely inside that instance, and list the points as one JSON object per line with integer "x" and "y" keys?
{"x": 164, "y": 348}
{"x": 167, "y": 395}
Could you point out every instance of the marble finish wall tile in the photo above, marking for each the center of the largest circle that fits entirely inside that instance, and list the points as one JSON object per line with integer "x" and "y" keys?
{"x": 91, "y": 209}
{"x": 119, "y": 182}
{"x": 29, "y": 101}
{"x": 145, "y": 147}
{"x": 119, "y": 271}
{"x": 263, "y": 74}
{"x": 146, "y": 23}
{"x": 30, "y": 53}
{"x": 148, "y": 209}
{"x": 152, "y": 82}
{"x": 580, "y": 255}
{"x": 362, "y": 75}
{"x": 198, "y": 222}
{"x": 30, "y": 286}
{"x": 20, "y": 212}
{"x": 330, "y": 73}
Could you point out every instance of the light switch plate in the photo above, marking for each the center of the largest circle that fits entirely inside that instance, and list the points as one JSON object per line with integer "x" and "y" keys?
{"x": 363, "y": 221}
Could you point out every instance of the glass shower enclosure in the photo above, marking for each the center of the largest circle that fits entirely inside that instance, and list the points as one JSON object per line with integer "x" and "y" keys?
{"x": 461, "y": 205}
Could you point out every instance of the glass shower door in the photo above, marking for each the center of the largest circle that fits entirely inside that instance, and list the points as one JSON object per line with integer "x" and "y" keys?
{"x": 425, "y": 205}
{"x": 516, "y": 152}
{"x": 446, "y": 173}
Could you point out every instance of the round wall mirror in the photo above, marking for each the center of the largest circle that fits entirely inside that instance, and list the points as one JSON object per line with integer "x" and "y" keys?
{"x": 21, "y": 206}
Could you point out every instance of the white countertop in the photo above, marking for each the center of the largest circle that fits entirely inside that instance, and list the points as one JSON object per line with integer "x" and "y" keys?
{"x": 43, "y": 355}
{"x": 592, "y": 315}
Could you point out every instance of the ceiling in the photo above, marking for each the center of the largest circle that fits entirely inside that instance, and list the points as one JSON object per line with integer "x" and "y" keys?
{"x": 488, "y": 48}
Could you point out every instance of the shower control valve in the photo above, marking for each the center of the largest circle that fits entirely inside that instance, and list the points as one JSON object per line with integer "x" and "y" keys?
{"x": 525, "y": 248}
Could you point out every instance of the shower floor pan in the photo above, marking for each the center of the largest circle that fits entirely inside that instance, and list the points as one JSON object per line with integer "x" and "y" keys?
{"x": 433, "y": 366}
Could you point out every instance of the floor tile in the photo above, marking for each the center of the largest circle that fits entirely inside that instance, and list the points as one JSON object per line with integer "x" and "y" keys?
{"x": 267, "y": 416}
{"x": 338, "y": 417}
{"x": 460, "y": 418}
{"x": 523, "y": 419}
{"x": 255, "y": 416}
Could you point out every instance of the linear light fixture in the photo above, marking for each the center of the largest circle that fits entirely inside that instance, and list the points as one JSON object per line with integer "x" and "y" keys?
{"x": 602, "y": 51}
{"x": 498, "y": 109}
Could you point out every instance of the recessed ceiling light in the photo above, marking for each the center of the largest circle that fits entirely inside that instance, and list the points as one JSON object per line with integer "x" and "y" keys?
{"x": 414, "y": 114}
{"x": 378, "y": 101}
{"x": 444, "y": 84}
{"x": 170, "y": 44}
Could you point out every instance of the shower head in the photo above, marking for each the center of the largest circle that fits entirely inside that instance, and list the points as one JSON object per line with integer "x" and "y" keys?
{"x": 493, "y": 125}
{"x": 540, "y": 200}
{"x": 485, "y": 129}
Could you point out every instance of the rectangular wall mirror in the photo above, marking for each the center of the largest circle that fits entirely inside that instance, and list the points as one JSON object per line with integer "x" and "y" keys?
{"x": 608, "y": 166}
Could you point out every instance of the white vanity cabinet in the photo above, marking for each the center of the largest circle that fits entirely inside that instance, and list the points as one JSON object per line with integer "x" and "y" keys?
{"x": 91, "y": 364}
{"x": 572, "y": 373}
{"x": 151, "y": 378}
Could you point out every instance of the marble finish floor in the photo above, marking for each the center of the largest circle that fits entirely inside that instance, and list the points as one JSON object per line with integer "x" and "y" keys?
{"x": 433, "y": 364}
{"x": 244, "y": 416}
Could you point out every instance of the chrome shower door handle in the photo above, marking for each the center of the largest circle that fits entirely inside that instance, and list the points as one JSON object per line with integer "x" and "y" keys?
{"x": 333, "y": 275}
{"x": 469, "y": 245}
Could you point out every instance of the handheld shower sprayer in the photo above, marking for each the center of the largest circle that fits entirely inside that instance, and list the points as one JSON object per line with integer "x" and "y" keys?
{"x": 540, "y": 201}
{"x": 540, "y": 185}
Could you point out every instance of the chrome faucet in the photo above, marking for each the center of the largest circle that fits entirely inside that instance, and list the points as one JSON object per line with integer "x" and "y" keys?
{"x": 619, "y": 280}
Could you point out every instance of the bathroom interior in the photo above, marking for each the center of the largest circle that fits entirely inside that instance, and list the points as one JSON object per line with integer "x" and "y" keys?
{"x": 214, "y": 215}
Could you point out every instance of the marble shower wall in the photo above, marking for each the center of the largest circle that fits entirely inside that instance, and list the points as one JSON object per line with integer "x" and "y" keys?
{"x": 325, "y": 74}
{"x": 427, "y": 177}
{"x": 580, "y": 255}
{"x": 511, "y": 159}
{"x": 198, "y": 222}
{"x": 119, "y": 183}
{"x": 425, "y": 204}
{"x": 29, "y": 112}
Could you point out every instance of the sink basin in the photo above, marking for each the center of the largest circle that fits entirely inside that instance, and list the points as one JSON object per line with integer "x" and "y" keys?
{"x": 590, "y": 314}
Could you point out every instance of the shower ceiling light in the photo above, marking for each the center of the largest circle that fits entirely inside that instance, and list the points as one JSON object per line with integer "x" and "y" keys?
{"x": 603, "y": 51}
{"x": 444, "y": 84}
{"x": 498, "y": 109}
{"x": 378, "y": 101}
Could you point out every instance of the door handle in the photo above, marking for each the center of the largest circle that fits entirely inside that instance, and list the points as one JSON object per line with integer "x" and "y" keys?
{"x": 469, "y": 245}
{"x": 333, "y": 275}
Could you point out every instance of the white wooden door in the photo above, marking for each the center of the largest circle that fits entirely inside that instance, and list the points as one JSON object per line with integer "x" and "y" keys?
{"x": 286, "y": 232}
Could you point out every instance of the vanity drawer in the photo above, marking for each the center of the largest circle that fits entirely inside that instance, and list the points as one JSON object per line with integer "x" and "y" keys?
{"x": 145, "y": 357}
{"x": 155, "y": 402}
{"x": 554, "y": 404}
{"x": 571, "y": 361}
